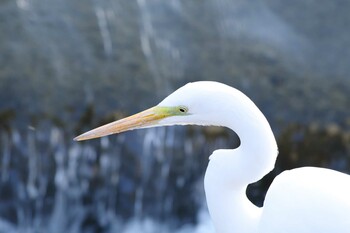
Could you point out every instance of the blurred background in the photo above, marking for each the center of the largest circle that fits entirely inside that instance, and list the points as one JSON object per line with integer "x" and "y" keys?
{"x": 68, "y": 66}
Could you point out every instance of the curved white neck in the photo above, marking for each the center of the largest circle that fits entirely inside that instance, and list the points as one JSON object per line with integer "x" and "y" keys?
{"x": 230, "y": 171}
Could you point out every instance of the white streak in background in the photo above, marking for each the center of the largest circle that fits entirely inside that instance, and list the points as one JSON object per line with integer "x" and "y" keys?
{"x": 163, "y": 52}
{"x": 145, "y": 45}
{"x": 145, "y": 37}
{"x": 146, "y": 19}
{"x": 254, "y": 20}
{"x": 150, "y": 226}
{"x": 33, "y": 169}
{"x": 68, "y": 214}
{"x": 176, "y": 5}
{"x": 22, "y": 4}
{"x": 132, "y": 226}
{"x": 105, "y": 34}
{"x": 7, "y": 227}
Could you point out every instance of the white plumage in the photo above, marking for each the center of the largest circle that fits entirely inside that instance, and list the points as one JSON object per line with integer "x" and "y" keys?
{"x": 302, "y": 200}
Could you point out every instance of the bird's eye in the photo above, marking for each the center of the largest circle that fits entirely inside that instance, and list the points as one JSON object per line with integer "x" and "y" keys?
{"x": 183, "y": 109}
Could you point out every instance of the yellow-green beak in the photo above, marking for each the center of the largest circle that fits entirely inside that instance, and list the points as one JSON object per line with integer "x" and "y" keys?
{"x": 147, "y": 118}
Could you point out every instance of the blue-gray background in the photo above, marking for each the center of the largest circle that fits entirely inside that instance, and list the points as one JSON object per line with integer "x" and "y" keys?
{"x": 68, "y": 66}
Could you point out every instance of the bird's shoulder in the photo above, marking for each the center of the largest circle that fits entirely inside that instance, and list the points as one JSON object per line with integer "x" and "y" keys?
{"x": 316, "y": 199}
{"x": 312, "y": 179}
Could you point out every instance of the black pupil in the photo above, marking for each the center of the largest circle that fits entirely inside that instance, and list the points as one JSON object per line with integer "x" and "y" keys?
{"x": 182, "y": 110}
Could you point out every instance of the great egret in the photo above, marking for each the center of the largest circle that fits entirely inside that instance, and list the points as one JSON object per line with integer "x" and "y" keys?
{"x": 302, "y": 200}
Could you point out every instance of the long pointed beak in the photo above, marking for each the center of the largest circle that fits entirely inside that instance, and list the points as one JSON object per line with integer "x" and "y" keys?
{"x": 147, "y": 118}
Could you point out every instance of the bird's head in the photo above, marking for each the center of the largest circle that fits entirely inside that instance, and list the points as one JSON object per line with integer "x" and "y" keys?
{"x": 199, "y": 103}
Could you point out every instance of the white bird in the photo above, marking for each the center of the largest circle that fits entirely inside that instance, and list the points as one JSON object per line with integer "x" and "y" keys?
{"x": 302, "y": 200}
